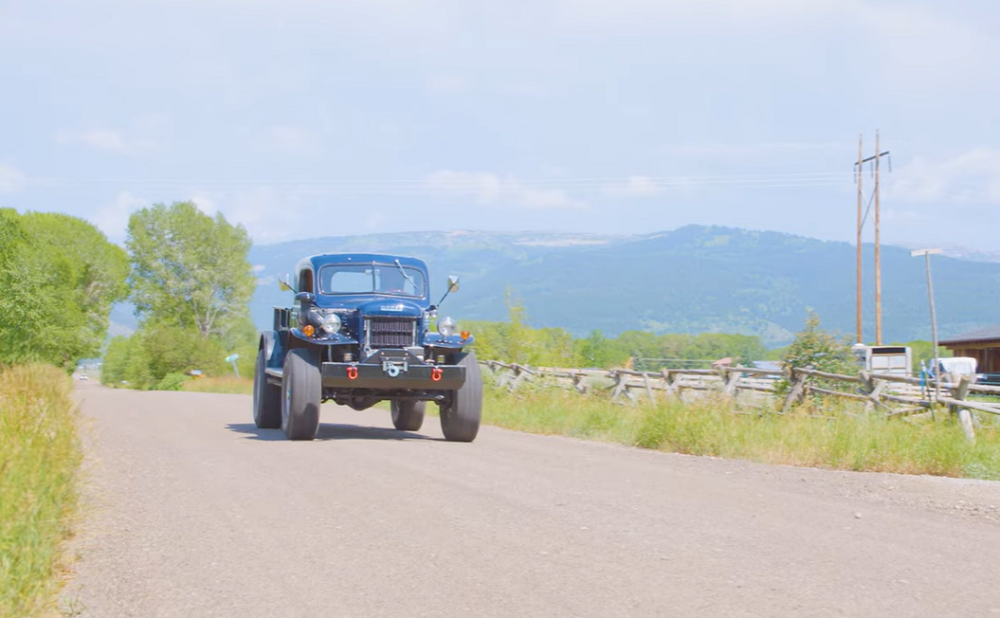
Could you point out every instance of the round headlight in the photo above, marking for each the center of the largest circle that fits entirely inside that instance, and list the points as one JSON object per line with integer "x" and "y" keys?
{"x": 331, "y": 323}
{"x": 446, "y": 327}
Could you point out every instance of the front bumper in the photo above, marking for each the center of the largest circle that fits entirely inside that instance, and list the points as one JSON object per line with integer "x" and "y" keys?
{"x": 377, "y": 377}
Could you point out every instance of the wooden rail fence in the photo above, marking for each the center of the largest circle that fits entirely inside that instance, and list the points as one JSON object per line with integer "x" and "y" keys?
{"x": 896, "y": 396}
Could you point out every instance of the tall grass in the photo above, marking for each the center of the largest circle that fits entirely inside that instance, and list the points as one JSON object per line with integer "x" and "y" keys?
{"x": 39, "y": 461}
{"x": 842, "y": 439}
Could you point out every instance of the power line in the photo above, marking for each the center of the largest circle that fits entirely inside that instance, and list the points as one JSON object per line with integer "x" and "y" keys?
{"x": 462, "y": 180}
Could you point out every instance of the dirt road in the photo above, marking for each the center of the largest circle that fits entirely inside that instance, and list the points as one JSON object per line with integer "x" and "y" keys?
{"x": 197, "y": 513}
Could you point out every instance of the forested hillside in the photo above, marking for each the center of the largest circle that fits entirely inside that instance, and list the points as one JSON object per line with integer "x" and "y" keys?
{"x": 691, "y": 280}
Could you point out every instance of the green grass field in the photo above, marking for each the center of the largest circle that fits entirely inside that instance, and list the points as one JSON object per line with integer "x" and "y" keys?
{"x": 712, "y": 427}
{"x": 39, "y": 462}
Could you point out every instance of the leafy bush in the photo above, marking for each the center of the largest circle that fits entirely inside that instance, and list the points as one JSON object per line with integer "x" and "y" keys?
{"x": 172, "y": 382}
{"x": 815, "y": 348}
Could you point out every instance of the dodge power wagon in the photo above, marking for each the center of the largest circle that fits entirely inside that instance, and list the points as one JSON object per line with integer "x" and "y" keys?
{"x": 360, "y": 332}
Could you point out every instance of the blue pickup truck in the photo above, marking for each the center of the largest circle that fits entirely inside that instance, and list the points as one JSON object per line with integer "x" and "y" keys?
{"x": 360, "y": 332}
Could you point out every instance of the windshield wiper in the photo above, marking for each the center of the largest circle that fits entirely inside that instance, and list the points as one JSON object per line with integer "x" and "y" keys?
{"x": 405, "y": 276}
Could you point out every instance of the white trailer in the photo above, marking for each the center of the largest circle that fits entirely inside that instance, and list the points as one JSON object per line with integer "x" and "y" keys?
{"x": 894, "y": 360}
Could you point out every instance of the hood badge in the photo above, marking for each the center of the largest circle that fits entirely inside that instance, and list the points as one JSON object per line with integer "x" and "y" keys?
{"x": 396, "y": 308}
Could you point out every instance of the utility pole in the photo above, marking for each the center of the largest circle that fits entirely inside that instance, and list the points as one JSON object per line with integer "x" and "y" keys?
{"x": 878, "y": 244}
{"x": 878, "y": 257}
{"x": 860, "y": 338}
{"x": 927, "y": 253}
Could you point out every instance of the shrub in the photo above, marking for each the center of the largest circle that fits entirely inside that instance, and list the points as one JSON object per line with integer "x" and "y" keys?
{"x": 172, "y": 382}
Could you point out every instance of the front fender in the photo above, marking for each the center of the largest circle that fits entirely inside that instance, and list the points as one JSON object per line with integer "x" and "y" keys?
{"x": 267, "y": 338}
{"x": 336, "y": 339}
{"x": 455, "y": 342}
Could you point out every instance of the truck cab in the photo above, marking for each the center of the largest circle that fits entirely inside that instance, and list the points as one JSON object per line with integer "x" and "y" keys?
{"x": 362, "y": 329}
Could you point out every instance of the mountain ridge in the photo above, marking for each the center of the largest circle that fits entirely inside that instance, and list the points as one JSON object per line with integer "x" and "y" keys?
{"x": 692, "y": 279}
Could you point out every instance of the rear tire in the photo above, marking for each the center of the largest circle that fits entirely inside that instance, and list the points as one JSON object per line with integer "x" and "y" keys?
{"x": 300, "y": 395}
{"x": 460, "y": 420}
{"x": 408, "y": 415}
{"x": 266, "y": 397}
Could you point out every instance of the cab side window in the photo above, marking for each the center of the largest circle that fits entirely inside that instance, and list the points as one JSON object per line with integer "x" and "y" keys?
{"x": 306, "y": 281}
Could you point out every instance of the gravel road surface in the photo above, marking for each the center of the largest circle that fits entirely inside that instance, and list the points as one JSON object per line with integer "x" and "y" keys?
{"x": 194, "y": 512}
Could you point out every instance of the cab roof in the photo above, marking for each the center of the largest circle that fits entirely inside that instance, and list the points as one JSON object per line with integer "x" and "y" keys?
{"x": 359, "y": 258}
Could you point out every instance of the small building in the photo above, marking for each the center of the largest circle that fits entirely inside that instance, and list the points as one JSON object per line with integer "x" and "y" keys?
{"x": 982, "y": 345}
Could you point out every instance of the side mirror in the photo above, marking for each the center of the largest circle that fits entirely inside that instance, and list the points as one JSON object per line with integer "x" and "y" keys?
{"x": 285, "y": 284}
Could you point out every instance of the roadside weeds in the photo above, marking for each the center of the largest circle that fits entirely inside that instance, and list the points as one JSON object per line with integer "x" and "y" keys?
{"x": 40, "y": 459}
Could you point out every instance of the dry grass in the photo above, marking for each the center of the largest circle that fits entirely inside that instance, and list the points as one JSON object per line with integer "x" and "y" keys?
{"x": 839, "y": 440}
{"x": 39, "y": 462}
{"x": 230, "y": 385}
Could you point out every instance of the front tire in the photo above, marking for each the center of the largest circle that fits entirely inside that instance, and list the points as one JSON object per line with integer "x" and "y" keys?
{"x": 408, "y": 415}
{"x": 266, "y": 397}
{"x": 460, "y": 419}
{"x": 300, "y": 395}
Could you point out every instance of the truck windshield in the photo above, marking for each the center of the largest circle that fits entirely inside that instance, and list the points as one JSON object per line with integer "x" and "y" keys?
{"x": 391, "y": 279}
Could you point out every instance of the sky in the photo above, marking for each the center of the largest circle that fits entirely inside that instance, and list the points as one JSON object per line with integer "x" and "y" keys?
{"x": 306, "y": 118}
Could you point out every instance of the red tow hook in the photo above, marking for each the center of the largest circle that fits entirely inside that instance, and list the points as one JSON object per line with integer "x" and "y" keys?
{"x": 352, "y": 373}
{"x": 436, "y": 374}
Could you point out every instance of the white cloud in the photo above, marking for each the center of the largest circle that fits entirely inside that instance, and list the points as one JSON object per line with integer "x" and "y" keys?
{"x": 973, "y": 176}
{"x": 488, "y": 188}
{"x": 113, "y": 218}
{"x": 205, "y": 204}
{"x": 634, "y": 187}
{"x": 11, "y": 180}
{"x": 257, "y": 210}
{"x": 110, "y": 140}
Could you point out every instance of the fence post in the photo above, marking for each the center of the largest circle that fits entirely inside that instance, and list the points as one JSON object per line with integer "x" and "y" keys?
{"x": 873, "y": 388}
{"x": 796, "y": 392}
{"x": 503, "y": 374}
{"x": 649, "y": 387}
{"x": 619, "y": 386}
{"x": 522, "y": 373}
{"x": 960, "y": 392}
{"x": 672, "y": 379}
{"x": 731, "y": 381}
{"x": 578, "y": 384}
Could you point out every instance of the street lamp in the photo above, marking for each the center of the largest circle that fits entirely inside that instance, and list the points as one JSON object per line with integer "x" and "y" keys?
{"x": 927, "y": 253}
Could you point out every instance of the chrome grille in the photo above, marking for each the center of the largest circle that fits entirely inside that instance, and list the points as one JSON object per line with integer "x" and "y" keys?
{"x": 391, "y": 332}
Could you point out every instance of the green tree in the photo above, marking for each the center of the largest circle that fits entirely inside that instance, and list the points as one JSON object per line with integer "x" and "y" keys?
{"x": 191, "y": 284}
{"x": 82, "y": 275}
{"x": 60, "y": 277}
{"x": 190, "y": 270}
{"x": 598, "y": 351}
{"x": 814, "y": 347}
{"x": 20, "y": 304}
